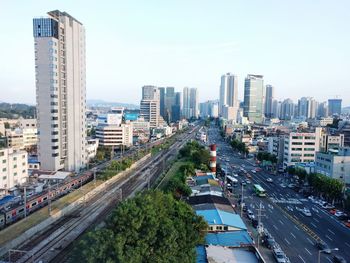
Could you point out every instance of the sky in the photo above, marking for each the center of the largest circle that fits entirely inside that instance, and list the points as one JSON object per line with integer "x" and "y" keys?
{"x": 301, "y": 47}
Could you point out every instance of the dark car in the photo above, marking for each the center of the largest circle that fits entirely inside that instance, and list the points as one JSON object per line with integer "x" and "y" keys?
{"x": 324, "y": 247}
{"x": 255, "y": 223}
{"x": 339, "y": 259}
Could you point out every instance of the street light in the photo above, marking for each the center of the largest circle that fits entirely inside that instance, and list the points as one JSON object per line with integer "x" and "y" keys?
{"x": 319, "y": 252}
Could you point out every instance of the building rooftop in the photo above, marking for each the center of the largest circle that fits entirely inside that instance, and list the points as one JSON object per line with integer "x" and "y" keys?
{"x": 229, "y": 239}
{"x": 219, "y": 217}
{"x": 217, "y": 254}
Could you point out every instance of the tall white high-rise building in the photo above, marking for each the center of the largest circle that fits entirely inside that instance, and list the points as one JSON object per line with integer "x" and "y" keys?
{"x": 228, "y": 91}
{"x": 190, "y": 103}
{"x": 269, "y": 96}
{"x": 150, "y": 105}
{"x": 61, "y": 91}
{"x": 254, "y": 94}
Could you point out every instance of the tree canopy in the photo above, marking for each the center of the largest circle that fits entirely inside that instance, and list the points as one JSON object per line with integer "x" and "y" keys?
{"x": 239, "y": 146}
{"x": 196, "y": 153}
{"x": 266, "y": 156}
{"x": 152, "y": 227}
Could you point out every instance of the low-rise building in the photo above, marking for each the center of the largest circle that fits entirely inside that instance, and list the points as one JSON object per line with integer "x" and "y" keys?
{"x": 114, "y": 135}
{"x": 301, "y": 147}
{"x": 91, "y": 148}
{"x": 335, "y": 164}
{"x": 13, "y": 168}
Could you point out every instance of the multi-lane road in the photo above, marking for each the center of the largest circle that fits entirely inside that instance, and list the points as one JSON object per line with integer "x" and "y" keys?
{"x": 293, "y": 231}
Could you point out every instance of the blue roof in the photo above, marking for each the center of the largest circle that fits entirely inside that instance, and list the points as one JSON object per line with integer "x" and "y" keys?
{"x": 229, "y": 239}
{"x": 220, "y": 217}
{"x": 201, "y": 255}
{"x": 6, "y": 199}
{"x": 33, "y": 160}
{"x": 204, "y": 177}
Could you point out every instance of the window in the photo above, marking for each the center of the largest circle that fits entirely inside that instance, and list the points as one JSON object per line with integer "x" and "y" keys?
{"x": 14, "y": 158}
{"x": 309, "y": 138}
{"x": 309, "y": 149}
{"x": 2, "y": 154}
{"x": 4, "y": 169}
{"x": 3, "y": 161}
{"x": 309, "y": 143}
{"x": 14, "y": 174}
{"x": 4, "y": 178}
{"x": 297, "y": 143}
{"x": 15, "y": 166}
{"x": 297, "y": 137}
{"x": 23, "y": 171}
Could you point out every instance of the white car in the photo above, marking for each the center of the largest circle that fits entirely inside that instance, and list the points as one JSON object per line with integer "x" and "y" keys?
{"x": 283, "y": 185}
{"x": 327, "y": 206}
{"x": 253, "y": 171}
{"x": 250, "y": 215}
{"x": 235, "y": 175}
{"x": 339, "y": 213}
{"x": 279, "y": 255}
{"x": 306, "y": 212}
{"x": 269, "y": 180}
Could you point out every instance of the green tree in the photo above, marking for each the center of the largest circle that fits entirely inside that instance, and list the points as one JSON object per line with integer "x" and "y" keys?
{"x": 152, "y": 227}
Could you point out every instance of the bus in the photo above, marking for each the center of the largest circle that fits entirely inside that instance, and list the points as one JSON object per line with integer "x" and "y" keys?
{"x": 259, "y": 190}
{"x": 231, "y": 180}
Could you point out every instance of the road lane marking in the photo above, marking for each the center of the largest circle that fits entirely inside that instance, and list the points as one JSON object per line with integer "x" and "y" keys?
{"x": 301, "y": 258}
{"x": 347, "y": 244}
{"x": 316, "y": 220}
{"x": 310, "y": 241}
{"x": 331, "y": 231}
{"x": 292, "y": 235}
{"x": 296, "y": 227}
{"x": 308, "y": 251}
{"x": 329, "y": 238}
{"x": 275, "y": 227}
{"x": 313, "y": 225}
{"x": 285, "y": 217}
{"x": 329, "y": 259}
{"x": 281, "y": 222}
{"x": 287, "y": 241}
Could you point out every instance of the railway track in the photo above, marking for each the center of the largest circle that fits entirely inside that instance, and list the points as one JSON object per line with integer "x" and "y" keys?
{"x": 50, "y": 244}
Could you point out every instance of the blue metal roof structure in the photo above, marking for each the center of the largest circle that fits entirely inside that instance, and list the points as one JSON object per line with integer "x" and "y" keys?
{"x": 201, "y": 255}
{"x": 219, "y": 217}
{"x": 229, "y": 238}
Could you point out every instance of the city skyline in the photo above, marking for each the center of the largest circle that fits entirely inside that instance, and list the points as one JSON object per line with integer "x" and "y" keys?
{"x": 189, "y": 48}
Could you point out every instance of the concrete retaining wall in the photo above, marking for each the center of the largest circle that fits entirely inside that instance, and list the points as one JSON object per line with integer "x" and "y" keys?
{"x": 66, "y": 210}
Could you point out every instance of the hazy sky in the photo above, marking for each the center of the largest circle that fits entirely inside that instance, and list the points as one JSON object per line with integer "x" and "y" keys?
{"x": 301, "y": 47}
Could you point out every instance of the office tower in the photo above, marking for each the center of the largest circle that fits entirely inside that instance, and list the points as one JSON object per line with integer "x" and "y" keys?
{"x": 169, "y": 103}
{"x": 162, "y": 101}
{"x": 287, "y": 109}
{"x": 190, "y": 103}
{"x": 228, "y": 91}
{"x": 334, "y": 107}
{"x": 60, "y": 91}
{"x": 254, "y": 98}
{"x": 274, "y": 110}
{"x": 322, "y": 110}
{"x": 176, "y": 108}
{"x": 150, "y": 93}
{"x": 269, "y": 95}
{"x": 150, "y": 105}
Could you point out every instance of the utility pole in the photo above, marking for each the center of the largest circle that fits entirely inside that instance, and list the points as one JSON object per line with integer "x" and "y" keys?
{"x": 149, "y": 179}
{"x": 259, "y": 222}
{"x": 242, "y": 202}
{"x": 95, "y": 176}
{"x": 49, "y": 199}
{"x": 25, "y": 201}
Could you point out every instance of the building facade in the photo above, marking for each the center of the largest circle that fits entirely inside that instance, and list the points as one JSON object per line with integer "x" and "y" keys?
{"x": 334, "y": 165}
{"x": 269, "y": 96}
{"x": 13, "y": 168}
{"x": 190, "y": 103}
{"x": 228, "y": 91}
{"x": 254, "y": 98}
{"x": 61, "y": 91}
{"x": 301, "y": 147}
{"x": 334, "y": 107}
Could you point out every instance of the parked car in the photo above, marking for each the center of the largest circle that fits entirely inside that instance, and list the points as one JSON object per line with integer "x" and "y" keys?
{"x": 255, "y": 223}
{"x": 339, "y": 259}
{"x": 248, "y": 181}
{"x": 333, "y": 211}
{"x": 327, "y": 206}
{"x": 347, "y": 223}
{"x": 269, "y": 180}
{"x": 291, "y": 186}
{"x": 250, "y": 215}
{"x": 339, "y": 213}
{"x": 324, "y": 247}
{"x": 279, "y": 255}
{"x": 243, "y": 183}
{"x": 253, "y": 171}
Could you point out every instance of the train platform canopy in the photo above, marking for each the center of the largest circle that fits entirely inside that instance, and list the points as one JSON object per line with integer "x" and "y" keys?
{"x": 56, "y": 176}
{"x": 6, "y": 199}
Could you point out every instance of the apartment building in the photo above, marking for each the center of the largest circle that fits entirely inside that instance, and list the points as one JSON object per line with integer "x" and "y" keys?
{"x": 59, "y": 43}
{"x": 13, "y": 168}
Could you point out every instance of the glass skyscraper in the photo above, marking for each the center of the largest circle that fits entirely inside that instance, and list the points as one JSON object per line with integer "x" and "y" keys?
{"x": 254, "y": 98}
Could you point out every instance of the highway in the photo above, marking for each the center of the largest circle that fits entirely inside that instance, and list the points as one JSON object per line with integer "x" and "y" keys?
{"x": 294, "y": 232}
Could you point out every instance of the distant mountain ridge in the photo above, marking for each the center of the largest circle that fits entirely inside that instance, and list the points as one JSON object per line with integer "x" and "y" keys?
{"x": 102, "y": 103}
{"x": 345, "y": 110}
{"x": 16, "y": 110}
